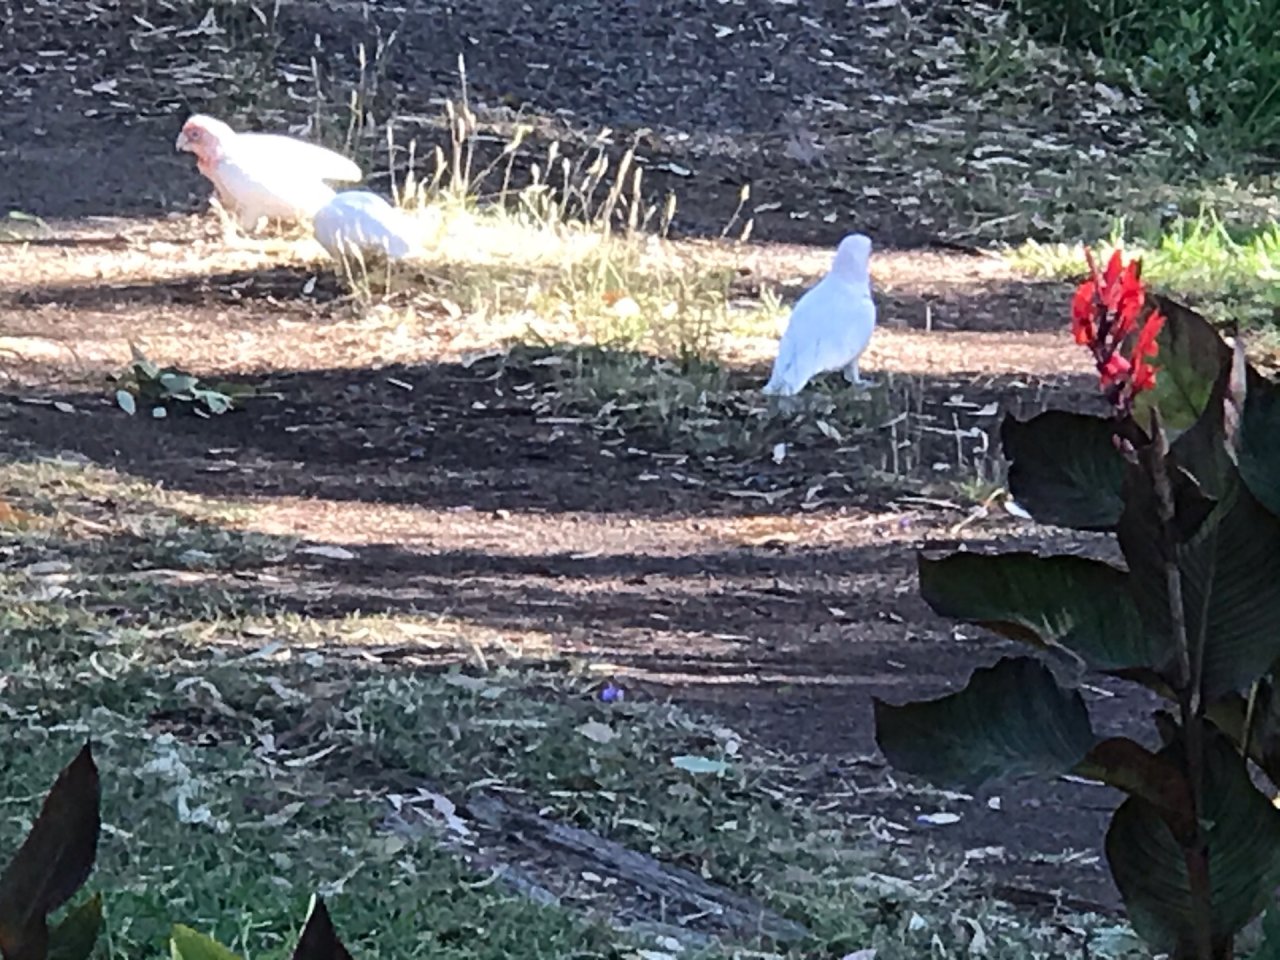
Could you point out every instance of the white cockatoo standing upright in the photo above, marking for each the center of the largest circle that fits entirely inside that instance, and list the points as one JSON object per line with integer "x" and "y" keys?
{"x": 830, "y": 325}
{"x": 357, "y": 222}
{"x": 267, "y": 175}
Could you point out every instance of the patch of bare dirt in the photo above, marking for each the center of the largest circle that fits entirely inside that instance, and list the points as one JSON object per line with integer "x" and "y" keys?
{"x": 888, "y": 116}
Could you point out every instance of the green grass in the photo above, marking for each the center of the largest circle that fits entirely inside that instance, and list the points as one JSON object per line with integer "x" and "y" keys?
{"x": 1183, "y": 192}
{"x": 1230, "y": 274}
{"x": 1085, "y": 96}
{"x": 245, "y": 875}
{"x": 247, "y": 761}
{"x": 1212, "y": 65}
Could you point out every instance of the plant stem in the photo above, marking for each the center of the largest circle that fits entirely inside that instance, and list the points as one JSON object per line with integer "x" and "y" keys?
{"x": 1250, "y": 708}
{"x": 1190, "y": 704}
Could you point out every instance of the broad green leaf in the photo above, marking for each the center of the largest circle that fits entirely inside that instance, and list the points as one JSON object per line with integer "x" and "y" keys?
{"x": 188, "y": 944}
{"x": 147, "y": 373}
{"x": 1258, "y": 449}
{"x": 1127, "y": 765}
{"x": 1079, "y": 604}
{"x": 1244, "y": 856}
{"x": 1230, "y": 590}
{"x": 1202, "y": 449}
{"x": 53, "y": 862}
{"x": 215, "y": 402}
{"x": 178, "y": 384}
{"x": 1229, "y": 714}
{"x": 1189, "y": 358}
{"x": 74, "y": 937}
{"x": 319, "y": 940}
{"x": 1012, "y": 720}
{"x": 1064, "y": 468}
{"x": 124, "y": 399}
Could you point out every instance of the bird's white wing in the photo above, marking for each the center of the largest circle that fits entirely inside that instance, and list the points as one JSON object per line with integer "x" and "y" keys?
{"x": 792, "y": 368}
{"x": 356, "y": 220}
{"x": 302, "y": 159}
{"x": 860, "y": 325}
{"x": 829, "y": 329}
{"x": 266, "y": 190}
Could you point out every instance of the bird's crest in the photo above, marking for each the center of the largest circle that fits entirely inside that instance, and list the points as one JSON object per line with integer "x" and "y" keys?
{"x": 204, "y": 136}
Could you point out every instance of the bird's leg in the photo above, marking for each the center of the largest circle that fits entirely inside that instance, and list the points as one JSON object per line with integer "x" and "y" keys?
{"x": 226, "y": 223}
{"x": 851, "y": 375}
{"x": 278, "y": 236}
{"x": 790, "y": 404}
{"x": 237, "y": 235}
{"x": 235, "y": 232}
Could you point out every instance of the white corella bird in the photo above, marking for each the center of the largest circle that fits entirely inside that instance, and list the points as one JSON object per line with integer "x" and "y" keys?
{"x": 831, "y": 325}
{"x": 264, "y": 175}
{"x": 359, "y": 223}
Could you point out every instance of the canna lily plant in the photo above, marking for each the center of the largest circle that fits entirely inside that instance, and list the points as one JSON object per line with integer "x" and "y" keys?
{"x": 1185, "y": 476}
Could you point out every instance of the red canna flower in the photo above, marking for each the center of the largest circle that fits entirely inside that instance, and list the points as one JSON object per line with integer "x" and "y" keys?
{"x": 1104, "y": 316}
{"x": 1124, "y": 295}
{"x": 1113, "y": 370}
{"x": 1082, "y": 309}
{"x": 1144, "y": 377}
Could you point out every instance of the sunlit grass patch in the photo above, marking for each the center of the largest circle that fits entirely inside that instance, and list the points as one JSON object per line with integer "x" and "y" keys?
{"x": 579, "y": 255}
{"x": 1229, "y": 273}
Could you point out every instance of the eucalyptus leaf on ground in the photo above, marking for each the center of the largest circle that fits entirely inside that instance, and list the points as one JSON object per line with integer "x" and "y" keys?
{"x": 700, "y": 765}
{"x": 596, "y": 731}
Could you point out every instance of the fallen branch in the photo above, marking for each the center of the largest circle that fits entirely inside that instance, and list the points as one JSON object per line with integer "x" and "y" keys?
{"x": 679, "y": 890}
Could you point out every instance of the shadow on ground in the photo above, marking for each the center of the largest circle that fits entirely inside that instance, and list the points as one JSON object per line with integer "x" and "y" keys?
{"x": 509, "y": 432}
{"x": 778, "y": 595}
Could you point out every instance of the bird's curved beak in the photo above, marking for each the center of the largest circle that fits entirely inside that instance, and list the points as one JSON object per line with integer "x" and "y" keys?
{"x": 182, "y": 141}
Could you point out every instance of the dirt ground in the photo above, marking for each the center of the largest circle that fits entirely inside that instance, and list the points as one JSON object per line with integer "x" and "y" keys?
{"x": 781, "y": 596}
